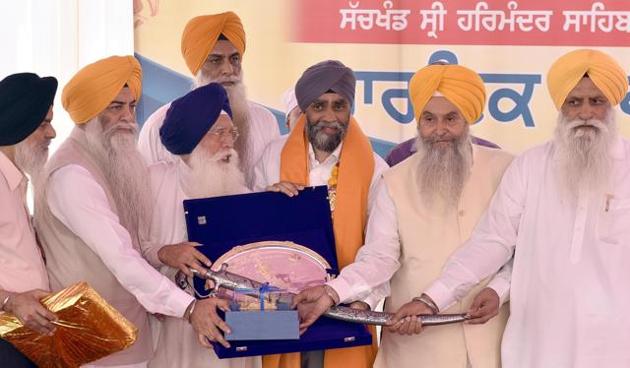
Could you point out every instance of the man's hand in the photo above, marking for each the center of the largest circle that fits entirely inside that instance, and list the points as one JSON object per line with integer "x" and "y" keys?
{"x": 30, "y": 311}
{"x": 312, "y": 303}
{"x": 184, "y": 256}
{"x": 207, "y": 322}
{"x": 288, "y": 188}
{"x": 360, "y": 306}
{"x": 484, "y": 306}
{"x": 406, "y": 321}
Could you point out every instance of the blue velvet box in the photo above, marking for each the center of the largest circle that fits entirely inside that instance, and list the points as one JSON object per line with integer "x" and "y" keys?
{"x": 224, "y": 222}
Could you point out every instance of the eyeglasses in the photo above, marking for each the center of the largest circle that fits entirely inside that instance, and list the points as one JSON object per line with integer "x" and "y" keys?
{"x": 223, "y": 133}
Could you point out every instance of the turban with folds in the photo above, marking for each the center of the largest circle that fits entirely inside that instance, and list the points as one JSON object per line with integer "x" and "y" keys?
{"x": 603, "y": 70}
{"x": 202, "y": 33}
{"x": 190, "y": 117}
{"x": 459, "y": 85}
{"x": 95, "y": 86}
{"x": 322, "y": 77}
{"x": 25, "y": 99}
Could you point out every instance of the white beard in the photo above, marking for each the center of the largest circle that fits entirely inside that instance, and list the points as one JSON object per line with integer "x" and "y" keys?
{"x": 582, "y": 156}
{"x": 442, "y": 172}
{"x": 31, "y": 158}
{"x": 237, "y": 94}
{"x": 125, "y": 171}
{"x": 211, "y": 176}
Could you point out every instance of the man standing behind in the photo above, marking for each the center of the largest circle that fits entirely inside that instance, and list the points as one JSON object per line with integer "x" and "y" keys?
{"x": 425, "y": 210}
{"x": 198, "y": 130}
{"x": 213, "y": 47}
{"x": 327, "y": 147}
{"x": 563, "y": 208}
{"x": 94, "y": 202}
{"x": 25, "y": 133}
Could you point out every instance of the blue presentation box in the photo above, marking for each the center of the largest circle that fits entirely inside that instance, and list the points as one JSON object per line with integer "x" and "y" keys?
{"x": 222, "y": 223}
{"x": 263, "y": 325}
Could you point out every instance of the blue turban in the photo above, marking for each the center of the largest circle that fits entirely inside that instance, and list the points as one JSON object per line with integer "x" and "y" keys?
{"x": 190, "y": 117}
{"x": 329, "y": 75}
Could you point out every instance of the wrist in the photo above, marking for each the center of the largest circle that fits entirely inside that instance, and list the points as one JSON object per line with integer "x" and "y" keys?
{"x": 332, "y": 294}
{"x": 6, "y": 302}
{"x": 189, "y": 310}
{"x": 426, "y": 300}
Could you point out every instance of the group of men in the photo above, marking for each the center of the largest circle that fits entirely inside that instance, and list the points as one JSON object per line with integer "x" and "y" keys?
{"x": 455, "y": 227}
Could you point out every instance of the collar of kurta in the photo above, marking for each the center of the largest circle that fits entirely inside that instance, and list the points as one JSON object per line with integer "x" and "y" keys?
{"x": 356, "y": 168}
{"x": 11, "y": 173}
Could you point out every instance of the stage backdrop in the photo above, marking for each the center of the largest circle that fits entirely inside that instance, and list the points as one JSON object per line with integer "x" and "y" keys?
{"x": 510, "y": 43}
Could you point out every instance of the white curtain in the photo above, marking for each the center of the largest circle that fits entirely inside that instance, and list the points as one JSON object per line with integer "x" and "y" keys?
{"x": 58, "y": 37}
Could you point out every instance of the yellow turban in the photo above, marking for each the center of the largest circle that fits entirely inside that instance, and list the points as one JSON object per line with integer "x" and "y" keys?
{"x": 201, "y": 34}
{"x": 459, "y": 85}
{"x": 94, "y": 87}
{"x": 603, "y": 70}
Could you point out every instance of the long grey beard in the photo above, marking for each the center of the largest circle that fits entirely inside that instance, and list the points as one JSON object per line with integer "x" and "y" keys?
{"x": 209, "y": 176}
{"x": 237, "y": 94}
{"x": 31, "y": 158}
{"x": 582, "y": 156}
{"x": 442, "y": 173}
{"x": 126, "y": 174}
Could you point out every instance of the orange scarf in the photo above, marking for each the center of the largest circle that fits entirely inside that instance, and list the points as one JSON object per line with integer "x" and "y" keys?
{"x": 356, "y": 167}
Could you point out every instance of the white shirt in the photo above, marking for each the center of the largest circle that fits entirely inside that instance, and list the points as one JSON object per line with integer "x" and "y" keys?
{"x": 378, "y": 260}
{"x": 267, "y": 172}
{"x": 569, "y": 297}
{"x": 88, "y": 215}
{"x": 263, "y": 129}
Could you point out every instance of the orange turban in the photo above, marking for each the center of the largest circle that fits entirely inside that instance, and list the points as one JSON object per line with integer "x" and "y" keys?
{"x": 603, "y": 70}
{"x": 94, "y": 87}
{"x": 201, "y": 35}
{"x": 460, "y": 85}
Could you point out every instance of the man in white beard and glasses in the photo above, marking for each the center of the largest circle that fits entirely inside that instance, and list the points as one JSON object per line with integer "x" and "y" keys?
{"x": 95, "y": 202}
{"x": 199, "y": 132}
{"x": 213, "y": 47}
{"x": 425, "y": 208}
{"x": 563, "y": 209}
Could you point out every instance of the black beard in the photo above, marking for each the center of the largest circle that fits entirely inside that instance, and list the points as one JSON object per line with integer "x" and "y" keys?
{"x": 324, "y": 142}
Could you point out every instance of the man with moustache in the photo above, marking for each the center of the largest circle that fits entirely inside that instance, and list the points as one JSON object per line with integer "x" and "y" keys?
{"x": 213, "y": 47}
{"x": 563, "y": 209}
{"x": 425, "y": 209}
{"x": 199, "y": 132}
{"x": 327, "y": 147}
{"x": 25, "y": 133}
{"x": 94, "y": 202}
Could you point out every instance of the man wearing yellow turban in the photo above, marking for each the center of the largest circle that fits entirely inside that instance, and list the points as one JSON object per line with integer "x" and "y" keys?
{"x": 213, "y": 47}
{"x": 562, "y": 209}
{"x": 426, "y": 207}
{"x": 92, "y": 210}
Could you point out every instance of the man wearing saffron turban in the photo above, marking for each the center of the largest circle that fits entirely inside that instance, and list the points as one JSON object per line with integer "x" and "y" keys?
{"x": 563, "y": 209}
{"x": 94, "y": 204}
{"x": 425, "y": 209}
{"x": 327, "y": 147}
{"x": 213, "y": 47}
{"x": 199, "y": 132}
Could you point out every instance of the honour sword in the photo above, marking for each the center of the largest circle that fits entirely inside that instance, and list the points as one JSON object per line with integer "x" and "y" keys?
{"x": 231, "y": 281}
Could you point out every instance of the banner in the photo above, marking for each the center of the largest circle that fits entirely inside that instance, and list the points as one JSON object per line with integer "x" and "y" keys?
{"x": 511, "y": 44}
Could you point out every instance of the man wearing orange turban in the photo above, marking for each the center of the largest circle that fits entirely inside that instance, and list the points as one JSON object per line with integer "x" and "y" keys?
{"x": 327, "y": 147}
{"x": 213, "y": 47}
{"x": 562, "y": 211}
{"x": 427, "y": 206}
{"x": 95, "y": 202}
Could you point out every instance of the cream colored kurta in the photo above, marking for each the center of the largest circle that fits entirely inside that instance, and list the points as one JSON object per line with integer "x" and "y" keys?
{"x": 411, "y": 243}
{"x": 177, "y": 344}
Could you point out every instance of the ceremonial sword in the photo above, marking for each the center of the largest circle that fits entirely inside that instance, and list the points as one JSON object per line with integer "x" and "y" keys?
{"x": 231, "y": 281}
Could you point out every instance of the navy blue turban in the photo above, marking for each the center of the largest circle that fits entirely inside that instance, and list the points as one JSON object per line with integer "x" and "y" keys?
{"x": 329, "y": 75}
{"x": 25, "y": 99}
{"x": 190, "y": 117}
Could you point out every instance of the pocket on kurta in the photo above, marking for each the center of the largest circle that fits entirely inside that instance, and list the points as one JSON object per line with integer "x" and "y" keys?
{"x": 613, "y": 225}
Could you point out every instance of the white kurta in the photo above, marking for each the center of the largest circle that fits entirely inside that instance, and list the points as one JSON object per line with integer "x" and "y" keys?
{"x": 263, "y": 129}
{"x": 267, "y": 172}
{"x": 177, "y": 344}
{"x": 569, "y": 291}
